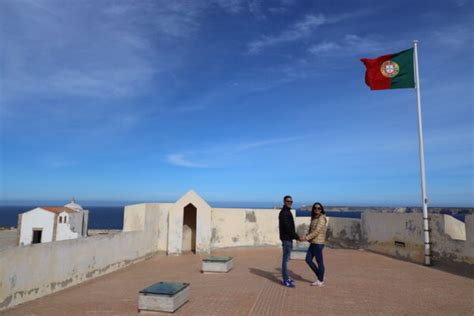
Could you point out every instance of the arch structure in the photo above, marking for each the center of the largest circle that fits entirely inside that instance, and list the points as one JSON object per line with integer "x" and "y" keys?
{"x": 189, "y": 225}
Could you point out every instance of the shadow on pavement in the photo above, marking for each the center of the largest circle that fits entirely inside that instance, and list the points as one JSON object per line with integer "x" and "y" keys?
{"x": 275, "y": 276}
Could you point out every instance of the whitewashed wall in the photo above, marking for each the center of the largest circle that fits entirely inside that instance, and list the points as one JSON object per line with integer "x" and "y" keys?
{"x": 203, "y": 224}
{"x": 232, "y": 227}
{"x": 36, "y": 218}
{"x": 33, "y": 271}
{"x": 63, "y": 230}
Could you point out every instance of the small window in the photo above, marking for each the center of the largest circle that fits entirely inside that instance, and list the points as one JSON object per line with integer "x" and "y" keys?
{"x": 65, "y": 219}
{"x": 60, "y": 219}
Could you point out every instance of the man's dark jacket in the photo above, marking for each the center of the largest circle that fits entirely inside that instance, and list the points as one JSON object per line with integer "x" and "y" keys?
{"x": 287, "y": 224}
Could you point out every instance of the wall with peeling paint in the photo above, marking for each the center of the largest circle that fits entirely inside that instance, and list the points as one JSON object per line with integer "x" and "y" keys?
{"x": 203, "y": 224}
{"x": 450, "y": 253}
{"x": 341, "y": 233}
{"x": 232, "y": 227}
{"x": 395, "y": 234}
{"x": 401, "y": 236}
{"x": 33, "y": 271}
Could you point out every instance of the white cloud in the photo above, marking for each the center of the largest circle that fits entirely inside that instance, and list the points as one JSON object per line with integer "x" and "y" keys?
{"x": 181, "y": 161}
{"x": 267, "y": 142}
{"x": 456, "y": 36}
{"x": 297, "y": 31}
{"x": 223, "y": 154}
{"x": 255, "y": 7}
{"x": 351, "y": 44}
{"x": 300, "y": 30}
{"x": 231, "y": 6}
{"x": 323, "y": 47}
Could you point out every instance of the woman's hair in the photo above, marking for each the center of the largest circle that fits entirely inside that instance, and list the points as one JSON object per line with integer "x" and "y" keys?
{"x": 314, "y": 206}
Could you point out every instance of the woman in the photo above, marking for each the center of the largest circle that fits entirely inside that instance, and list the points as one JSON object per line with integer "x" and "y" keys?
{"x": 317, "y": 237}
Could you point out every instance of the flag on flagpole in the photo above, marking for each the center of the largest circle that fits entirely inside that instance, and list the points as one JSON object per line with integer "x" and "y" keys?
{"x": 392, "y": 71}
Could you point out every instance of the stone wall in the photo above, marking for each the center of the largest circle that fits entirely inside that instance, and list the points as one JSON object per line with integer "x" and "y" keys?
{"x": 398, "y": 235}
{"x": 452, "y": 254}
{"x": 401, "y": 236}
{"x": 32, "y": 271}
{"x": 244, "y": 227}
{"x": 341, "y": 233}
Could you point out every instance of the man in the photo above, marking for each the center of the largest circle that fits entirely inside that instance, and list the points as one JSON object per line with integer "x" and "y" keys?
{"x": 287, "y": 234}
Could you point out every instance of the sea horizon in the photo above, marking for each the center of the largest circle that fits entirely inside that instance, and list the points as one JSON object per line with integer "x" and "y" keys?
{"x": 111, "y": 216}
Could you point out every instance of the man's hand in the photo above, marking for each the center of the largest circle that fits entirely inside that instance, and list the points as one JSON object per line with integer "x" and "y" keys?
{"x": 302, "y": 238}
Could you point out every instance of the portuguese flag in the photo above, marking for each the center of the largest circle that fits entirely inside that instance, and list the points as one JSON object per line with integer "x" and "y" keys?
{"x": 392, "y": 71}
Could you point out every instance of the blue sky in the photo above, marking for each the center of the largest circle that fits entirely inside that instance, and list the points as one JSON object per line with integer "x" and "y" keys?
{"x": 238, "y": 100}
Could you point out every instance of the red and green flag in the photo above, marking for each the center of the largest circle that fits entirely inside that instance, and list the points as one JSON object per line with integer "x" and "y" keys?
{"x": 392, "y": 71}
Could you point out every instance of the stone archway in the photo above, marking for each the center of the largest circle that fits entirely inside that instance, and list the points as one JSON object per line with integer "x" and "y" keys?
{"x": 189, "y": 228}
{"x": 180, "y": 223}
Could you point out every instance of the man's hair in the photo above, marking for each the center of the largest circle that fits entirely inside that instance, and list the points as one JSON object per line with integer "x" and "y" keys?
{"x": 286, "y": 197}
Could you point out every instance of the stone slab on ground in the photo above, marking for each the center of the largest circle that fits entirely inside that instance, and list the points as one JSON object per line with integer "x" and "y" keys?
{"x": 163, "y": 297}
{"x": 298, "y": 254}
{"x": 217, "y": 264}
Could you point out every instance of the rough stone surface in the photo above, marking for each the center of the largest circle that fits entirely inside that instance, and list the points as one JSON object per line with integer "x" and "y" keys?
{"x": 358, "y": 283}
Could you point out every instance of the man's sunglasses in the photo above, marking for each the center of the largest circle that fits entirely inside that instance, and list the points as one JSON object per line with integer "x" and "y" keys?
{"x": 288, "y": 201}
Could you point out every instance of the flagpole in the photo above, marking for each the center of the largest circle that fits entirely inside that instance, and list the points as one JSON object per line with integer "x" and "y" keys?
{"x": 426, "y": 225}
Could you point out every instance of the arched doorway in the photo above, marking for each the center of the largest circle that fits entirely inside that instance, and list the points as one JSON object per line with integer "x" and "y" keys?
{"x": 189, "y": 228}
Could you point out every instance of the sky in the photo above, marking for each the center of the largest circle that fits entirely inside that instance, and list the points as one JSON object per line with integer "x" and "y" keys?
{"x": 239, "y": 100}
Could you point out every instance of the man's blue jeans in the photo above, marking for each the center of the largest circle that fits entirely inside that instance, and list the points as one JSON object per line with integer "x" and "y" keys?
{"x": 287, "y": 247}
{"x": 316, "y": 251}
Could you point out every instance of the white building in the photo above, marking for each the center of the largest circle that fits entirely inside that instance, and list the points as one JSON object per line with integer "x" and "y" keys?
{"x": 45, "y": 224}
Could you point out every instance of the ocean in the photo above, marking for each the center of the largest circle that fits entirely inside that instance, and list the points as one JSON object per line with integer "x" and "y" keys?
{"x": 111, "y": 217}
{"x": 100, "y": 217}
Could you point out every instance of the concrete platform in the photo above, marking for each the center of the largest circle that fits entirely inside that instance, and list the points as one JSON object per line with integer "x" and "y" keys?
{"x": 217, "y": 264}
{"x": 163, "y": 297}
{"x": 298, "y": 253}
{"x": 358, "y": 283}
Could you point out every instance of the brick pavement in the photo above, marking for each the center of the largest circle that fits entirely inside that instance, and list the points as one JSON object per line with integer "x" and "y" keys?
{"x": 358, "y": 283}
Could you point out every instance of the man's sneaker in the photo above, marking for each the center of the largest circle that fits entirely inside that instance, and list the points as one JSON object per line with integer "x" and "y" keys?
{"x": 287, "y": 283}
{"x": 291, "y": 281}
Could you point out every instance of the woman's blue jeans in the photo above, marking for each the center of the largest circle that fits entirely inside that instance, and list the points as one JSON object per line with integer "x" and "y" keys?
{"x": 316, "y": 251}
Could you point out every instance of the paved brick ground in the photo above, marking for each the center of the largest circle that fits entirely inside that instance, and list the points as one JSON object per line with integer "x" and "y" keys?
{"x": 358, "y": 283}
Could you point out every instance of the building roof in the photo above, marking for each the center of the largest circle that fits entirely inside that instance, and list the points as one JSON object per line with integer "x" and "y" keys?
{"x": 370, "y": 284}
{"x": 73, "y": 205}
{"x": 59, "y": 209}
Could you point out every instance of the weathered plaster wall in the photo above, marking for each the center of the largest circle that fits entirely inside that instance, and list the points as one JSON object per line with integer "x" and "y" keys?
{"x": 134, "y": 217}
{"x": 341, "y": 233}
{"x": 203, "y": 224}
{"x": 85, "y": 223}
{"x": 454, "y": 227}
{"x": 449, "y": 253}
{"x": 161, "y": 210}
{"x": 397, "y": 235}
{"x": 244, "y": 227}
{"x": 33, "y": 271}
{"x": 69, "y": 229}
{"x": 384, "y": 233}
